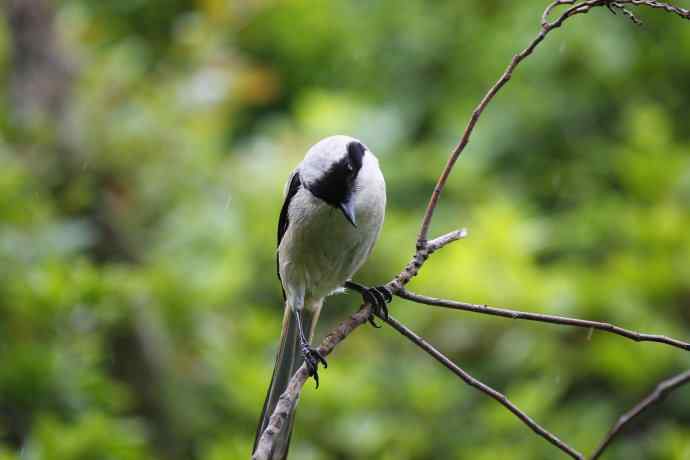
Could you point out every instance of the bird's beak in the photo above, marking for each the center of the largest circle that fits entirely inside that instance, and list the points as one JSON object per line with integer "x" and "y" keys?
{"x": 349, "y": 212}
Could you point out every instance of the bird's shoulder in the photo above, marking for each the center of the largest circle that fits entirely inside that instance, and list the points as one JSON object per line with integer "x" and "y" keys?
{"x": 293, "y": 185}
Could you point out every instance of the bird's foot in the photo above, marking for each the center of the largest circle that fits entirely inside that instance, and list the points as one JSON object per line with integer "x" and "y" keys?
{"x": 378, "y": 297}
{"x": 312, "y": 357}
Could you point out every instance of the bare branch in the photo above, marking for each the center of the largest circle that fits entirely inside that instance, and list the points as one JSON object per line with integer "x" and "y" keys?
{"x": 473, "y": 382}
{"x": 424, "y": 249}
{"x": 420, "y": 256}
{"x": 626, "y": 12}
{"x": 288, "y": 400}
{"x": 682, "y": 12}
{"x": 515, "y": 314}
{"x": 576, "y": 8}
{"x": 549, "y": 9}
{"x": 659, "y": 393}
{"x": 460, "y": 147}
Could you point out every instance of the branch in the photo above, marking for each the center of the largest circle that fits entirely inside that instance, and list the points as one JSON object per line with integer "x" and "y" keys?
{"x": 514, "y": 314}
{"x": 682, "y": 12}
{"x": 423, "y": 252}
{"x": 288, "y": 400}
{"x": 473, "y": 382}
{"x": 659, "y": 393}
{"x": 577, "y": 8}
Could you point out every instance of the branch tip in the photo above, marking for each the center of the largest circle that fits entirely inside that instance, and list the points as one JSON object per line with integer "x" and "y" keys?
{"x": 553, "y": 319}
{"x": 658, "y": 394}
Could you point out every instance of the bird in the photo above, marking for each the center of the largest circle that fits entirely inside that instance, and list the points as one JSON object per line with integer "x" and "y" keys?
{"x": 334, "y": 207}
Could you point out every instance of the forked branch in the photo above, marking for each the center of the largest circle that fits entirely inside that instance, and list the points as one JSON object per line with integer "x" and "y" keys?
{"x": 424, "y": 249}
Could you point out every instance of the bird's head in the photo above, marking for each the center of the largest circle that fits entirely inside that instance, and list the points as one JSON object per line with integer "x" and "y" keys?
{"x": 330, "y": 170}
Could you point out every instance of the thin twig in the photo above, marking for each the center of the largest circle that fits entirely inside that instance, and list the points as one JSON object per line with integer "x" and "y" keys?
{"x": 577, "y": 8}
{"x": 626, "y": 12}
{"x": 288, "y": 400}
{"x": 515, "y": 314}
{"x": 460, "y": 147}
{"x": 660, "y": 391}
{"x": 420, "y": 257}
{"x": 682, "y": 12}
{"x": 473, "y": 382}
{"x": 547, "y": 11}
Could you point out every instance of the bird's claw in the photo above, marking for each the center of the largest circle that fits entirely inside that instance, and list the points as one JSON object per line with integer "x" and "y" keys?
{"x": 378, "y": 297}
{"x": 312, "y": 358}
{"x": 372, "y": 322}
{"x": 383, "y": 298}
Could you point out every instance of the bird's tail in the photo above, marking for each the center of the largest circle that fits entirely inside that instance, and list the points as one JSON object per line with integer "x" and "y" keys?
{"x": 288, "y": 360}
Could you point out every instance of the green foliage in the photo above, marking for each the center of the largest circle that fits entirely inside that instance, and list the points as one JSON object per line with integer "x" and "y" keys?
{"x": 139, "y": 309}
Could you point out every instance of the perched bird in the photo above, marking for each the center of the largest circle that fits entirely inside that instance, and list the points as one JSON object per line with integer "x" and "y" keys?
{"x": 334, "y": 206}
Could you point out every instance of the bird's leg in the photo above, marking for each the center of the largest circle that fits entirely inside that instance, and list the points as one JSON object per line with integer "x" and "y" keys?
{"x": 378, "y": 297}
{"x": 311, "y": 355}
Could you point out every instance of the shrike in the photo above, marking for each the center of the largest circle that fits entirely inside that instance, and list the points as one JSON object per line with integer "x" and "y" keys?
{"x": 334, "y": 205}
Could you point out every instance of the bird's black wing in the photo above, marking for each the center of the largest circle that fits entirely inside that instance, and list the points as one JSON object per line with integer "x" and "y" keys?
{"x": 284, "y": 221}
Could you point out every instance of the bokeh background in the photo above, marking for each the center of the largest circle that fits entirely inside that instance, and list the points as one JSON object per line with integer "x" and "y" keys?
{"x": 143, "y": 150}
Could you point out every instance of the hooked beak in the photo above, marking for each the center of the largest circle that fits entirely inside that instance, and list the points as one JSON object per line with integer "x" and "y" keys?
{"x": 349, "y": 212}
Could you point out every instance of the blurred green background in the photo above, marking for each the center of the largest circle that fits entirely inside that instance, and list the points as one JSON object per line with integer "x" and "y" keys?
{"x": 143, "y": 150}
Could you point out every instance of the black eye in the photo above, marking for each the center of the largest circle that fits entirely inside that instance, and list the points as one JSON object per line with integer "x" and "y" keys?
{"x": 349, "y": 167}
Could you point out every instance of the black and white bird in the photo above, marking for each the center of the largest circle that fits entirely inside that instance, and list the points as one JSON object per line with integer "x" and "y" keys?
{"x": 334, "y": 207}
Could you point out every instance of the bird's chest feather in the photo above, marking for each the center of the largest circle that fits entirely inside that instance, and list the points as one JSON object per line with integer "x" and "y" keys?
{"x": 321, "y": 249}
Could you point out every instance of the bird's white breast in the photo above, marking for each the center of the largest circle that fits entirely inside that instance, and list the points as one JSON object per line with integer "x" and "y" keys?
{"x": 321, "y": 249}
